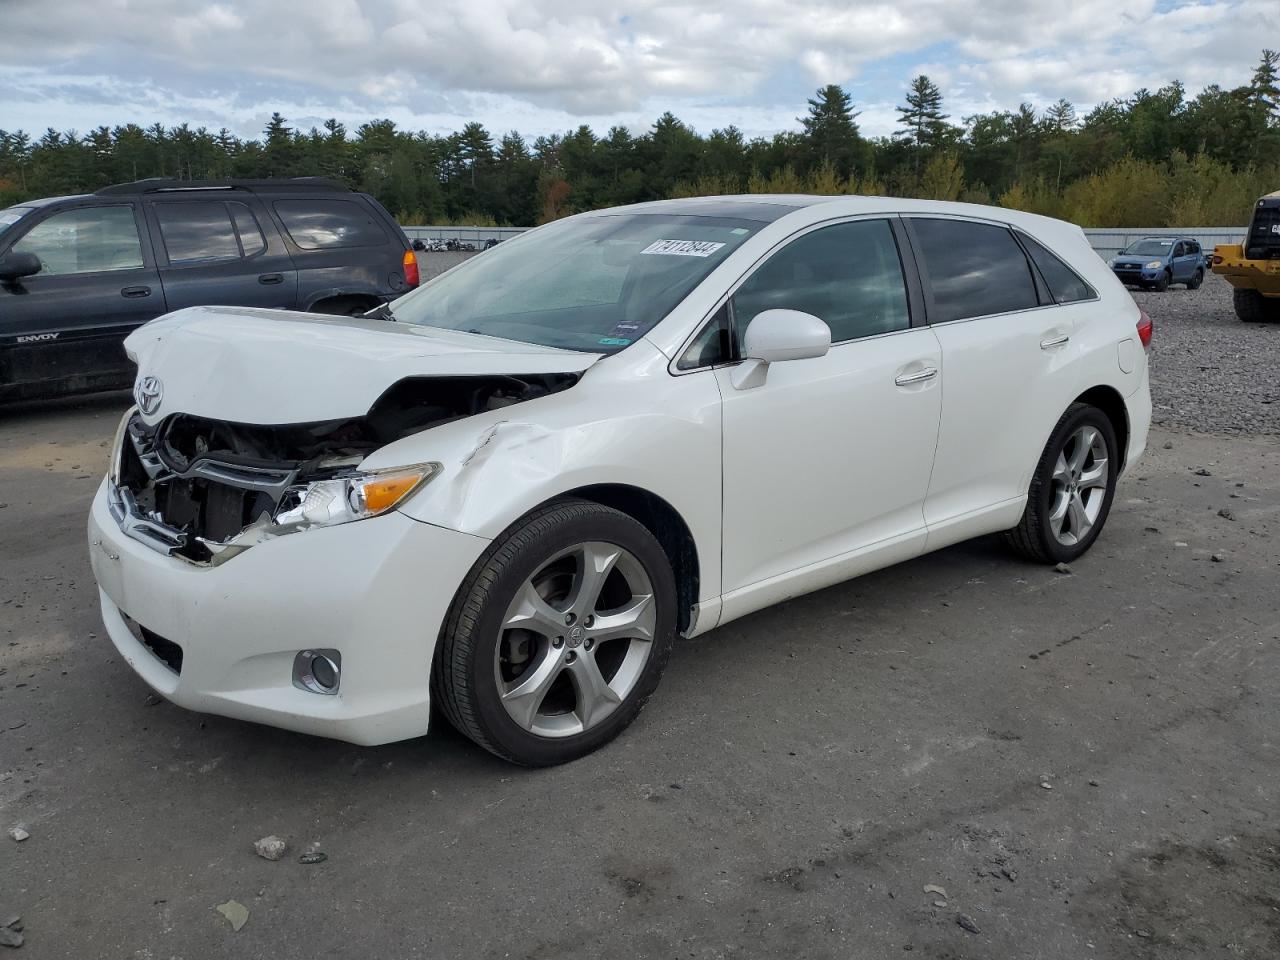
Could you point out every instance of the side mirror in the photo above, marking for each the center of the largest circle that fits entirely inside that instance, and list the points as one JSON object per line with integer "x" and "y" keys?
{"x": 419, "y": 245}
{"x": 14, "y": 265}
{"x": 776, "y": 335}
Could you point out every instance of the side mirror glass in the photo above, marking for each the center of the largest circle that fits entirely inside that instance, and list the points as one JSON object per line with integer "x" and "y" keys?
{"x": 777, "y": 335}
{"x": 14, "y": 265}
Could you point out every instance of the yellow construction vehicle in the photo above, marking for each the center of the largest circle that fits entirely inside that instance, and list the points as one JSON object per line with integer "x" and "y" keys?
{"x": 1253, "y": 267}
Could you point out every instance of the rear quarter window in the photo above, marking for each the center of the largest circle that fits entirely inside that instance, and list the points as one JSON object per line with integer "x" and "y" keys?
{"x": 329, "y": 224}
{"x": 1065, "y": 284}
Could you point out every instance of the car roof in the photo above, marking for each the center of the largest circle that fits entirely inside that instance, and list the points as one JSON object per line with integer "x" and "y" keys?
{"x": 47, "y": 201}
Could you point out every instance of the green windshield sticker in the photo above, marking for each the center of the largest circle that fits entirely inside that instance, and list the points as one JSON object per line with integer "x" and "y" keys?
{"x": 613, "y": 341}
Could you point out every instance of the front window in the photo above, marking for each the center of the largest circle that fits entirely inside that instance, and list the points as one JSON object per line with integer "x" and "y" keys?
{"x": 88, "y": 240}
{"x": 1149, "y": 248}
{"x": 595, "y": 284}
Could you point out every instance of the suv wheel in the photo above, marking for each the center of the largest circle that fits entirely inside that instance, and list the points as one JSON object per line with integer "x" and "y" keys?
{"x": 558, "y": 636}
{"x": 1194, "y": 282}
{"x": 1252, "y": 307}
{"x": 345, "y": 306}
{"x": 1161, "y": 285}
{"x": 1072, "y": 489}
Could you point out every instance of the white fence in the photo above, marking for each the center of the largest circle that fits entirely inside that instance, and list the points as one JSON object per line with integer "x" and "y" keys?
{"x": 1107, "y": 242}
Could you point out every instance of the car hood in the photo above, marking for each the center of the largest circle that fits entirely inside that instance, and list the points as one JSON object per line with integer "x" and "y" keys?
{"x": 276, "y": 366}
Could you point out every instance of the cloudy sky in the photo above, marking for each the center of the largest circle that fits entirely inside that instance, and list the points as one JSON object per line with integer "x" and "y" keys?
{"x": 540, "y": 66}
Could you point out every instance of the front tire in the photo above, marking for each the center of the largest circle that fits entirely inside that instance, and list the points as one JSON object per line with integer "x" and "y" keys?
{"x": 1072, "y": 488}
{"x": 558, "y": 636}
{"x": 1161, "y": 285}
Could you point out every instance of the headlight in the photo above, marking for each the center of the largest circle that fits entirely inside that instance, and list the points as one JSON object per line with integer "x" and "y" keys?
{"x": 343, "y": 499}
{"x": 1155, "y": 264}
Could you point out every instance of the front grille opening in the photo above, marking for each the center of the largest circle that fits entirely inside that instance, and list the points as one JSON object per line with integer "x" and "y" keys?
{"x": 166, "y": 651}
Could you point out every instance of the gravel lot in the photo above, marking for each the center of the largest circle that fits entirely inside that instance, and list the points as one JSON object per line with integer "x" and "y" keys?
{"x": 1085, "y": 763}
{"x": 1210, "y": 371}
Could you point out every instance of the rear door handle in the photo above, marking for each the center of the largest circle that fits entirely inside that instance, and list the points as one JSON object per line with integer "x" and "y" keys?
{"x": 135, "y": 292}
{"x": 1054, "y": 342}
{"x": 271, "y": 278}
{"x": 920, "y": 376}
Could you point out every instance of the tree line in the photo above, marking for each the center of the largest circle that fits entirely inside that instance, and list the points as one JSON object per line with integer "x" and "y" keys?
{"x": 1156, "y": 158}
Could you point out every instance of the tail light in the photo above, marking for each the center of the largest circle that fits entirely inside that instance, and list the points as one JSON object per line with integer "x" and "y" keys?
{"x": 1145, "y": 328}
{"x": 410, "y": 268}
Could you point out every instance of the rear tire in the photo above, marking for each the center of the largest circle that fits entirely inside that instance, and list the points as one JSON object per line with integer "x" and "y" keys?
{"x": 1194, "y": 282}
{"x": 516, "y": 666}
{"x": 1071, "y": 490}
{"x": 345, "y": 306}
{"x": 1252, "y": 307}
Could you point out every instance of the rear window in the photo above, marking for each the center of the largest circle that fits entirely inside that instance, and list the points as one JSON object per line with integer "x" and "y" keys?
{"x": 1064, "y": 283}
{"x": 197, "y": 231}
{"x": 974, "y": 269}
{"x": 323, "y": 224}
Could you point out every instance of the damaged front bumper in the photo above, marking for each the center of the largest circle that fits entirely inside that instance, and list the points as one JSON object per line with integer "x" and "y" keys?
{"x": 376, "y": 590}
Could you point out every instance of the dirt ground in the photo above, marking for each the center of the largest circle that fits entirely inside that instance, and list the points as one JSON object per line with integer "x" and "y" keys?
{"x": 1086, "y": 763}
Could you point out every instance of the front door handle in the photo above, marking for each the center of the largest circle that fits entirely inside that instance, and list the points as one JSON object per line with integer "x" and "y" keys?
{"x": 271, "y": 278}
{"x": 1052, "y": 342}
{"x": 134, "y": 292}
{"x": 920, "y": 376}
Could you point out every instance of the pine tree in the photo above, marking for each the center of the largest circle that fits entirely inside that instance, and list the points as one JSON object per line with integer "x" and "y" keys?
{"x": 1264, "y": 88}
{"x": 923, "y": 122}
{"x": 830, "y": 131}
{"x": 1060, "y": 117}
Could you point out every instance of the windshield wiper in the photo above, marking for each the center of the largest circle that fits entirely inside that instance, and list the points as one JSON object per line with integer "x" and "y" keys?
{"x": 382, "y": 312}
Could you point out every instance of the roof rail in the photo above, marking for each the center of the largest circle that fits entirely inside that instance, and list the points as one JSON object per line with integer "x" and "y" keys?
{"x": 277, "y": 185}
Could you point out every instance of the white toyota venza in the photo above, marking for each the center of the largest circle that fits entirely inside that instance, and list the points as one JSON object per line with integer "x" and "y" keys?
{"x": 508, "y": 493}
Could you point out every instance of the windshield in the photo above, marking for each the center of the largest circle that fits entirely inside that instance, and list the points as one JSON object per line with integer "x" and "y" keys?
{"x": 594, "y": 284}
{"x": 11, "y": 216}
{"x": 1149, "y": 248}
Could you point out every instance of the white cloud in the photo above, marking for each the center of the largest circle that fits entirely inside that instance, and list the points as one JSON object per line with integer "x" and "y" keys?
{"x": 540, "y": 65}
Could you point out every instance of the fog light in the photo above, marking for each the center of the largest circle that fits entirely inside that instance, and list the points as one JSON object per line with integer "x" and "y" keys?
{"x": 318, "y": 671}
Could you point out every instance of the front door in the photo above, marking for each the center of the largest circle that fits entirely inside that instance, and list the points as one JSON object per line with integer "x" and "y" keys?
{"x": 829, "y": 457}
{"x": 97, "y": 283}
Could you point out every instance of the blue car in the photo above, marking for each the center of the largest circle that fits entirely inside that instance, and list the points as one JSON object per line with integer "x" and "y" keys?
{"x": 1156, "y": 262}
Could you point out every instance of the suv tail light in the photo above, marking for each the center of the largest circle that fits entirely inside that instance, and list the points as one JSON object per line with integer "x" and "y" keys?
{"x": 1145, "y": 328}
{"x": 410, "y": 263}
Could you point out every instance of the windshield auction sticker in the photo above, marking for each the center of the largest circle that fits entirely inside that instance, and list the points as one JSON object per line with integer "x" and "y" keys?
{"x": 682, "y": 248}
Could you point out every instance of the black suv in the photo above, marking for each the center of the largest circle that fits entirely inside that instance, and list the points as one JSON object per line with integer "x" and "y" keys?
{"x": 78, "y": 274}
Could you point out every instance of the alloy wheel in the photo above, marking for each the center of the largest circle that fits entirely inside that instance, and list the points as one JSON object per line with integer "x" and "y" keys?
{"x": 575, "y": 639}
{"x": 1080, "y": 477}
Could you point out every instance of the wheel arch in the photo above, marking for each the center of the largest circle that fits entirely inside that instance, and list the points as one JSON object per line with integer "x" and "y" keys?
{"x": 1109, "y": 401}
{"x": 667, "y": 526}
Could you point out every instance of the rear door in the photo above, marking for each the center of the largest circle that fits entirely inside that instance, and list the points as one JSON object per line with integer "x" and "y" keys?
{"x": 1005, "y": 346}
{"x": 98, "y": 282}
{"x": 217, "y": 251}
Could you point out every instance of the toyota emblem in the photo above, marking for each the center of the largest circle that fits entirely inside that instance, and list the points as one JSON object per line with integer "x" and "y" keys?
{"x": 148, "y": 392}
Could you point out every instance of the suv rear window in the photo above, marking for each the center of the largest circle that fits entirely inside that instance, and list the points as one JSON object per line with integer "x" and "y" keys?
{"x": 974, "y": 269}
{"x": 323, "y": 224}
